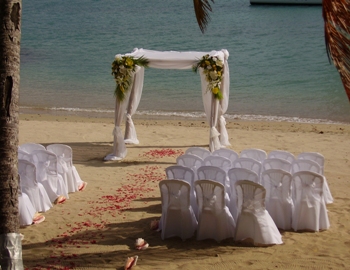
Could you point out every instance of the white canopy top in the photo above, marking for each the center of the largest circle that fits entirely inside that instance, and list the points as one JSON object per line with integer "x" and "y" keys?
{"x": 175, "y": 59}
{"x": 214, "y": 108}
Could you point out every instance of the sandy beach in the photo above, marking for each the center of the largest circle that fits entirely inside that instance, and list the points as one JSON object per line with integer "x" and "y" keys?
{"x": 97, "y": 228}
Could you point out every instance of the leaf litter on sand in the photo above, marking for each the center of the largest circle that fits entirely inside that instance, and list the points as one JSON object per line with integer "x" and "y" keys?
{"x": 82, "y": 235}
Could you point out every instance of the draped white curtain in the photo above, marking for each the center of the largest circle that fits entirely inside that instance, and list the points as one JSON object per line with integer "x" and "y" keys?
{"x": 214, "y": 109}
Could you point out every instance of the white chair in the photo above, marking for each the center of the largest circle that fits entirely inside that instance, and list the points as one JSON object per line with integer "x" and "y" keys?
{"x": 178, "y": 218}
{"x": 24, "y": 155}
{"x": 257, "y": 154}
{"x": 217, "y": 161}
{"x": 227, "y": 153}
{"x": 215, "y": 220}
{"x": 254, "y": 223}
{"x": 320, "y": 160}
{"x": 282, "y": 155}
{"x": 248, "y": 163}
{"x": 184, "y": 173}
{"x": 26, "y": 210}
{"x": 65, "y": 166}
{"x": 276, "y": 163}
{"x": 305, "y": 165}
{"x": 314, "y": 156}
{"x": 190, "y": 161}
{"x": 310, "y": 212}
{"x": 198, "y": 151}
{"x": 279, "y": 201}
{"x": 30, "y": 147}
{"x": 46, "y": 172}
{"x": 30, "y": 186}
{"x": 234, "y": 175}
{"x": 216, "y": 174}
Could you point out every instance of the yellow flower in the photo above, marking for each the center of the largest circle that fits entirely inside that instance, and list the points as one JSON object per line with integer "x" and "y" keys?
{"x": 207, "y": 63}
{"x": 219, "y": 73}
{"x": 129, "y": 62}
{"x": 215, "y": 90}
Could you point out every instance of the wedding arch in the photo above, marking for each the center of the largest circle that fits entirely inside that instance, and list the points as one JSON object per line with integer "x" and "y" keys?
{"x": 215, "y": 105}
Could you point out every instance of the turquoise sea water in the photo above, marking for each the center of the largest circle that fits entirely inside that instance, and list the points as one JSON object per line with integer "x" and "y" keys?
{"x": 279, "y": 67}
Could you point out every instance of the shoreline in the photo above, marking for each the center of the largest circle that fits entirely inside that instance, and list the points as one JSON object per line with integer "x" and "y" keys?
{"x": 318, "y": 128}
{"x": 172, "y": 115}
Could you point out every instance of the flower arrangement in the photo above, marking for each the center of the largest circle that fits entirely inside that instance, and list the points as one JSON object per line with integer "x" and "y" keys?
{"x": 213, "y": 70}
{"x": 122, "y": 69}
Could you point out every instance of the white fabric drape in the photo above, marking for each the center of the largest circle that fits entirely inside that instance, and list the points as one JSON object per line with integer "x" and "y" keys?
{"x": 134, "y": 101}
{"x": 225, "y": 88}
{"x": 171, "y": 60}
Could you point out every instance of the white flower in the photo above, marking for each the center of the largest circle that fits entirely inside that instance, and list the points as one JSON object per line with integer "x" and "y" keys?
{"x": 118, "y": 57}
{"x": 219, "y": 63}
{"x": 213, "y": 75}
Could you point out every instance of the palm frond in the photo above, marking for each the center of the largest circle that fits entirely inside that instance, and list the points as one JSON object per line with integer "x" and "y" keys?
{"x": 336, "y": 16}
{"x": 202, "y": 9}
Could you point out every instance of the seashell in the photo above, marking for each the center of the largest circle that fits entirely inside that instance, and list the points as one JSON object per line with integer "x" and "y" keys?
{"x": 154, "y": 224}
{"x": 130, "y": 262}
{"x": 141, "y": 244}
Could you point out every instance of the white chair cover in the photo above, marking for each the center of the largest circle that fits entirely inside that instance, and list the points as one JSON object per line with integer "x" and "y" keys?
{"x": 184, "y": 173}
{"x": 310, "y": 212}
{"x": 190, "y": 161}
{"x": 30, "y": 147}
{"x": 279, "y": 201}
{"x": 282, "y": 155}
{"x": 257, "y": 154}
{"x": 319, "y": 158}
{"x": 198, "y": 151}
{"x": 276, "y": 163}
{"x": 215, "y": 220}
{"x": 305, "y": 165}
{"x": 217, "y": 161}
{"x": 173, "y": 60}
{"x": 178, "y": 218}
{"x": 234, "y": 175}
{"x": 313, "y": 166}
{"x": 314, "y": 156}
{"x": 248, "y": 163}
{"x": 64, "y": 155}
{"x": 26, "y": 210}
{"x": 24, "y": 155}
{"x": 30, "y": 186}
{"x": 227, "y": 153}
{"x": 215, "y": 174}
{"x": 46, "y": 172}
{"x": 254, "y": 222}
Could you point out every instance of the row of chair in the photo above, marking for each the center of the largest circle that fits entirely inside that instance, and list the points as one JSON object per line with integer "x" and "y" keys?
{"x": 307, "y": 161}
{"x": 214, "y": 220}
{"x": 46, "y": 176}
{"x": 257, "y": 154}
{"x": 283, "y": 189}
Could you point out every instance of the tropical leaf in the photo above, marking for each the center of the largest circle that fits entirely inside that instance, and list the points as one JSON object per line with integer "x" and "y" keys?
{"x": 202, "y": 9}
{"x": 336, "y": 16}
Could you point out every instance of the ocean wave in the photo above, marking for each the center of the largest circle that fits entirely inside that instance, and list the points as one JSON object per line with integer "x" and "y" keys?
{"x": 151, "y": 114}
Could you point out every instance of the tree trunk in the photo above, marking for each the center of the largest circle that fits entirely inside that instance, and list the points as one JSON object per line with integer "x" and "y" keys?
{"x": 10, "y": 35}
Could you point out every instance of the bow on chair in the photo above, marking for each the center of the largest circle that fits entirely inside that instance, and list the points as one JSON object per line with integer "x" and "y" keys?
{"x": 252, "y": 206}
{"x": 62, "y": 167}
{"x": 208, "y": 202}
{"x": 175, "y": 199}
{"x": 308, "y": 193}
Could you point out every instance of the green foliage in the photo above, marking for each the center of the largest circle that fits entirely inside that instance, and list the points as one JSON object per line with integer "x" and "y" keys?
{"x": 123, "y": 68}
{"x": 213, "y": 69}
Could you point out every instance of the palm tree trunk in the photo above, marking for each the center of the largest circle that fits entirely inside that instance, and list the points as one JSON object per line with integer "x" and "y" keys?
{"x": 10, "y": 35}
